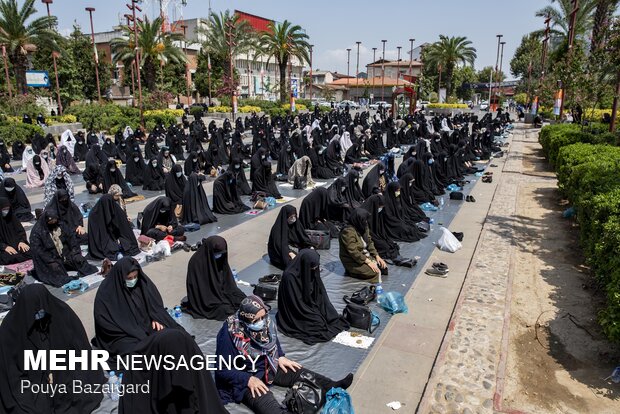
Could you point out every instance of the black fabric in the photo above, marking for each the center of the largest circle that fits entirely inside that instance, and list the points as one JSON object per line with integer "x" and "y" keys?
{"x": 371, "y": 184}
{"x": 314, "y": 212}
{"x": 338, "y": 206}
{"x": 353, "y": 193}
{"x": 153, "y": 178}
{"x": 65, "y": 159}
{"x": 283, "y": 235}
{"x": 69, "y": 214}
{"x": 175, "y": 185}
{"x": 20, "y": 205}
{"x": 333, "y": 159}
{"x": 286, "y": 158}
{"x": 395, "y": 225}
{"x": 109, "y": 231}
{"x": 261, "y": 176}
{"x": 190, "y": 165}
{"x": 421, "y": 183}
{"x": 304, "y": 309}
{"x": 50, "y": 267}
{"x": 196, "y": 207}
{"x": 60, "y": 328}
{"x": 96, "y": 157}
{"x": 80, "y": 149}
{"x": 226, "y": 195}
{"x": 152, "y": 215}
{"x": 134, "y": 170}
{"x": 111, "y": 175}
{"x": 412, "y": 213}
{"x": 384, "y": 244}
{"x": 212, "y": 292}
{"x": 123, "y": 315}
{"x": 11, "y": 234}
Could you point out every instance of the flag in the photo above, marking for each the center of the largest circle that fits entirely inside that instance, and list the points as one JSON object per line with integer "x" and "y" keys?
{"x": 209, "y": 61}
{"x": 96, "y": 54}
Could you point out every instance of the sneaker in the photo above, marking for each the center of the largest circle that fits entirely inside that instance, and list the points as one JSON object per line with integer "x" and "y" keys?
{"x": 436, "y": 273}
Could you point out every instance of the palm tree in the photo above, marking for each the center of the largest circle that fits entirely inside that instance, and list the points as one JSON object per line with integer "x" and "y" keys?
{"x": 449, "y": 52}
{"x": 19, "y": 37}
{"x": 222, "y": 28}
{"x": 283, "y": 41}
{"x": 601, "y": 20}
{"x": 560, "y": 20}
{"x": 156, "y": 49}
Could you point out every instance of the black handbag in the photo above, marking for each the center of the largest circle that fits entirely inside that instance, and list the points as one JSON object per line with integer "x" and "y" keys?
{"x": 299, "y": 183}
{"x": 361, "y": 317}
{"x": 305, "y": 396}
{"x": 271, "y": 279}
{"x": 321, "y": 240}
{"x": 266, "y": 292}
{"x": 363, "y": 296}
{"x": 457, "y": 195}
{"x": 9, "y": 297}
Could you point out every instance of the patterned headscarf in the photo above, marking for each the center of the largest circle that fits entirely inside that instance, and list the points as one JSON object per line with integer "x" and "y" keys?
{"x": 116, "y": 189}
{"x": 50, "y": 183}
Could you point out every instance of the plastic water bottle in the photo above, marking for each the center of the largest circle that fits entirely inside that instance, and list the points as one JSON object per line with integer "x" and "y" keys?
{"x": 430, "y": 223}
{"x": 177, "y": 311}
{"x": 113, "y": 382}
{"x": 235, "y": 274}
{"x": 441, "y": 203}
{"x": 379, "y": 289}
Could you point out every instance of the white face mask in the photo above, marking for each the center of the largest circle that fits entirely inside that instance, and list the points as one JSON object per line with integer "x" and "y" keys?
{"x": 131, "y": 283}
{"x": 112, "y": 169}
{"x": 380, "y": 209}
{"x": 136, "y": 159}
{"x": 154, "y": 164}
{"x": 5, "y": 213}
{"x": 179, "y": 174}
{"x": 9, "y": 189}
{"x": 237, "y": 165}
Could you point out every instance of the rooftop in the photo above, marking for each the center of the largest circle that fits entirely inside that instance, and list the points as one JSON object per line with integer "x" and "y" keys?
{"x": 363, "y": 83}
{"x": 394, "y": 63}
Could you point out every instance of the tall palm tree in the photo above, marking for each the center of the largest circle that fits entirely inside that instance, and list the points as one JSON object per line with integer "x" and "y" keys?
{"x": 221, "y": 29}
{"x": 448, "y": 53}
{"x": 601, "y": 20}
{"x": 156, "y": 49}
{"x": 560, "y": 14}
{"x": 283, "y": 41}
{"x": 19, "y": 37}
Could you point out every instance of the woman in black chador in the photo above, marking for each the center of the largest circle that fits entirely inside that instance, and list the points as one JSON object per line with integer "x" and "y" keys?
{"x": 236, "y": 168}
{"x": 286, "y": 236}
{"x": 175, "y": 185}
{"x": 159, "y": 220}
{"x": 196, "y": 207}
{"x": 261, "y": 176}
{"x": 226, "y": 198}
{"x": 111, "y": 175}
{"x": 134, "y": 171}
{"x": 393, "y": 219}
{"x": 212, "y": 292}
{"x": 304, "y": 309}
{"x": 153, "y": 178}
{"x": 19, "y": 202}
{"x": 109, "y": 232}
{"x": 14, "y": 246}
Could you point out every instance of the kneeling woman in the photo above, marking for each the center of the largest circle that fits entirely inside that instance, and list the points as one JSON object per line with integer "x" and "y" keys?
{"x": 287, "y": 235}
{"x": 109, "y": 233}
{"x": 159, "y": 221}
{"x": 41, "y": 322}
{"x": 357, "y": 250}
{"x": 130, "y": 318}
{"x": 251, "y": 332}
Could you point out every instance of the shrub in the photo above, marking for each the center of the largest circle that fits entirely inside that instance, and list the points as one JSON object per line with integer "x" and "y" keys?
{"x": 20, "y": 105}
{"x": 446, "y": 106}
{"x": 18, "y": 132}
{"x": 246, "y": 109}
{"x": 161, "y": 116}
{"x": 298, "y": 108}
{"x": 194, "y": 110}
{"x": 61, "y": 119}
{"x": 226, "y": 109}
{"x": 158, "y": 100}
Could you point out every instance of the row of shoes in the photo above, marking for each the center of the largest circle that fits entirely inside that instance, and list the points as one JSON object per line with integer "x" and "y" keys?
{"x": 438, "y": 269}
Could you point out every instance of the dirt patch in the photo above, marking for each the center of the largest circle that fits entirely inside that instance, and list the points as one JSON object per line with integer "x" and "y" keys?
{"x": 558, "y": 357}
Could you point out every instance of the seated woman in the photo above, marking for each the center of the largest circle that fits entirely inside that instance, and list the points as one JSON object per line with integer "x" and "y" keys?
{"x": 261, "y": 176}
{"x": 37, "y": 171}
{"x": 109, "y": 149}
{"x": 236, "y": 168}
{"x": 111, "y": 175}
{"x": 421, "y": 183}
{"x": 212, "y": 292}
{"x": 166, "y": 160}
{"x": 81, "y": 149}
{"x": 94, "y": 180}
{"x": 59, "y": 179}
{"x": 175, "y": 185}
{"x": 67, "y": 140}
{"x": 375, "y": 181}
{"x": 159, "y": 221}
{"x": 412, "y": 213}
{"x": 117, "y": 193}
{"x": 153, "y": 178}
{"x": 385, "y": 245}
{"x": 69, "y": 215}
{"x": 17, "y": 149}
{"x": 252, "y": 332}
{"x": 41, "y": 322}
{"x": 353, "y": 194}
{"x": 56, "y": 251}
{"x": 286, "y": 158}
{"x": 304, "y": 309}
{"x": 301, "y": 170}
{"x": 5, "y": 158}
{"x": 286, "y": 236}
{"x": 14, "y": 247}
{"x": 110, "y": 236}
{"x": 65, "y": 159}
{"x": 318, "y": 157}
{"x": 192, "y": 165}
{"x": 338, "y": 207}
{"x": 134, "y": 170}
{"x": 19, "y": 202}
{"x": 357, "y": 250}
{"x": 96, "y": 156}
{"x": 226, "y": 198}
{"x": 394, "y": 219}
{"x": 196, "y": 207}
{"x": 314, "y": 212}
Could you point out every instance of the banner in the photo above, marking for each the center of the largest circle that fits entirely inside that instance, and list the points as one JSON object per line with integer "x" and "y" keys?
{"x": 535, "y": 105}
{"x": 37, "y": 79}
{"x": 557, "y": 102}
{"x": 294, "y": 88}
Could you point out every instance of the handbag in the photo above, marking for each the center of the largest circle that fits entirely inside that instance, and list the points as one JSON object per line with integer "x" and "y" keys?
{"x": 257, "y": 195}
{"x": 300, "y": 183}
{"x": 320, "y": 239}
{"x": 11, "y": 279}
{"x": 361, "y": 317}
{"x": 260, "y": 204}
{"x": 145, "y": 243}
{"x": 456, "y": 195}
{"x": 271, "y": 279}
{"x": 265, "y": 291}
{"x": 362, "y": 296}
{"x": 305, "y": 396}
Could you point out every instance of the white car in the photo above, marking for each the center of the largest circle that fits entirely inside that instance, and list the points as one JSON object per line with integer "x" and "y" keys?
{"x": 378, "y": 105}
{"x": 484, "y": 106}
{"x": 352, "y": 105}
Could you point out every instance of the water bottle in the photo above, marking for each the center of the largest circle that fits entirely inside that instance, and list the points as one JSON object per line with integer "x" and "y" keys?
{"x": 441, "y": 203}
{"x": 235, "y": 275}
{"x": 379, "y": 289}
{"x": 113, "y": 383}
{"x": 177, "y": 311}
{"x": 430, "y": 223}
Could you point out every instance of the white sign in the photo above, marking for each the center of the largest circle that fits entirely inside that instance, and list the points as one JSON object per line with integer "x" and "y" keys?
{"x": 37, "y": 79}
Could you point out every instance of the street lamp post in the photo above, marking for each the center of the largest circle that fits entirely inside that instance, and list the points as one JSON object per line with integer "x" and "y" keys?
{"x": 357, "y": 67}
{"x": 47, "y": 4}
{"x": 411, "y": 58}
{"x": 499, "y": 74}
{"x": 311, "y": 78}
{"x": 499, "y": 39}
{"x": 133, "y": 80}
{"x": 398, "y": 66}
{"x": 90, "y": 11}
{"x": 383, "y": 73}
{"x": 187, "y": 75}
{"x": 348, "y": 61}
{"x": 133, "y": 9}
{"x": 374, "y": 59}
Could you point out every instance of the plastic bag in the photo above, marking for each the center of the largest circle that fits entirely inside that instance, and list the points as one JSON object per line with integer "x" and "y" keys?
{"x": 393, "y": 302}
{"x": 74, "y": 286}
{"x": 428, "y": 207}
{"x": 338, "y": 401}
{"x": 162, "y": 246}
{"x": 447, "y": 242}
{"x": 454, "y": 187}
{"x": 270, "y": 201}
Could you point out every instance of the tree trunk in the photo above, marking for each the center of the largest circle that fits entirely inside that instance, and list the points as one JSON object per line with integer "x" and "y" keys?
{"x": 150, "y": 74}
{"x": 20, "y": 64}
{"x": 601, "y": 23}
{"x": 614, "y": 110}
{"x": 283, "y": 88}
{"x": 449, "y": 75}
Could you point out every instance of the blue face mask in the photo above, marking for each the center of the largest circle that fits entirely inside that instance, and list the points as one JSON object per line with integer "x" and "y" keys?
{"x": 218, "y": 255}
{"x": 131, "y": 283}
{"x": 257, "y": 326}
{"x": 431, "y": 161}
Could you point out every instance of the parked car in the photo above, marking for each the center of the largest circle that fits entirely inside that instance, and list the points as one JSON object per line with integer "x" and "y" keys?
{"x": 351, "y": 104}
{"x": 484, "y": 106}
{"x": 378, "y": 104}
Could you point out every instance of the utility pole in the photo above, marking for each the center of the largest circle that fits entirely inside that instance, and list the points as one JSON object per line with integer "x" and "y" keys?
{"x": 374, "y": 59}
{"x": 357, "y": 66}
{"x": 499, "y": 39}
{"x": 187, "y": 74}
{"x": 90, "y": 11}
{"x": 47, "y": 4}
{"x": 571, "y": 40}
{"x": 499, "y": 74}
{"x": 134, "y": 20}
{"x": 398, "y": 66}
{"x": 133, "y": 82}
{"x": 311, "y": 78}
{"x": 383, "y": 73}
{"x": 348, "y": 61}
{"x": 6, "y": 71}
{"x": 229, "y": 27}
{"x": 411, "y": 58}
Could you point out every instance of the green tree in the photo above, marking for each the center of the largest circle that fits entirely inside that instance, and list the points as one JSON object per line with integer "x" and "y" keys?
{"x": 448, "y": 53}
{"x": 484, "y": 75}
{"x": 201, "y": 77}
{"x": 156, "y": 49}
{"x": 19, "y": 36}
{"x": 560, "y": 14}
{"x": 282, "y": 42}
{"x": 78, "y": 64}
{"x": 528, "y": 53}
{"x": 462, "y": 76}
{"x": 601, "y": 19}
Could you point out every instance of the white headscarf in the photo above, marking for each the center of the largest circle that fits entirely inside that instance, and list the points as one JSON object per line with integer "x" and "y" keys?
{"x": 127, "y": 132}
{"x": 27, "y": 156}
{"x": 345, "y": 142}
{"x": 68, "y": 140}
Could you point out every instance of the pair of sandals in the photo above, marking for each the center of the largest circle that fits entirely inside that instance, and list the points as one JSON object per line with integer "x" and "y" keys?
{"x": 438, "y": 270}
{"x": 470, "y": 199}
{"x": 487, "y": 179}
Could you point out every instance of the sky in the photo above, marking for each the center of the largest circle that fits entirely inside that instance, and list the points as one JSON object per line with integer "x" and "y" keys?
{"x": 334, "y": 26}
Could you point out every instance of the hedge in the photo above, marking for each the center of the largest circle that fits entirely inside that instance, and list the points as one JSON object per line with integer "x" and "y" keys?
{"x": 446, "y": 106}
{"x": 588, "y": 170}
{"x": 18, "y": 132}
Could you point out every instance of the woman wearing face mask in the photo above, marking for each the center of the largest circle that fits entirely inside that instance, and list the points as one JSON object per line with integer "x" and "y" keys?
{"x": 304, "y": 309}
{"x": 66, "y": 160}
{"x": 286, "y": 236}
{"x": 196, "y": 207}
{"x": 385, "y": 245}
{"x": 159, "y": 221}
{"x": 338, "y": 206}
{"x": 251, "y": 331}
{"x": 394, "y": 218}
{"x": 37, "y": 172}
{"x": 111, "y": 175}
{"x": 357, "y": 249}
{"x": 212, "y": 292}
{"x": 286, "y": 158}
{"x": 226, "y": 198}
{"x": 153, "y": 178}
{"x": 433, "y": 181}
{"x": 81, "y": 149}
{"x": 14, "y": 246}
{"x": 166, "y": 160}
{"x": 261, "y": 175}
{"x": 41, "y": 322}
{"x": 108, "y": 235}
{"x": 69, "y": 215}
{"x": 236, "y": 168}
{"x": 191, "y": 164}
{"x": 5, "y": 158}
{"x": 19, "y": 202}
{"x": 175, "y": 185}
{"x": 134, "y": 171}
{"x": 375, "y": 181}
{"x": 18, "y": 150}
{"x": 56, "y": 251}
{"x": 151, "y": 149}
{"x": 59, "y": 179}
{"x": 412, "y": 213}
{"x": 96, "y": 157}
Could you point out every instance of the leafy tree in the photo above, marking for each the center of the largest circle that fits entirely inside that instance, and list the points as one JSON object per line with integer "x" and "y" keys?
{"x": 484, "y": 75}
{"x": 560, "y": 13}
{"x": 528, "y": 53}
{"x": 19, "y": 36}
{"x": 462, "y": 76}
{"x": 448, "y": 53}
{"x": 79, "y": 56}
{"x": 282, "y": 42}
